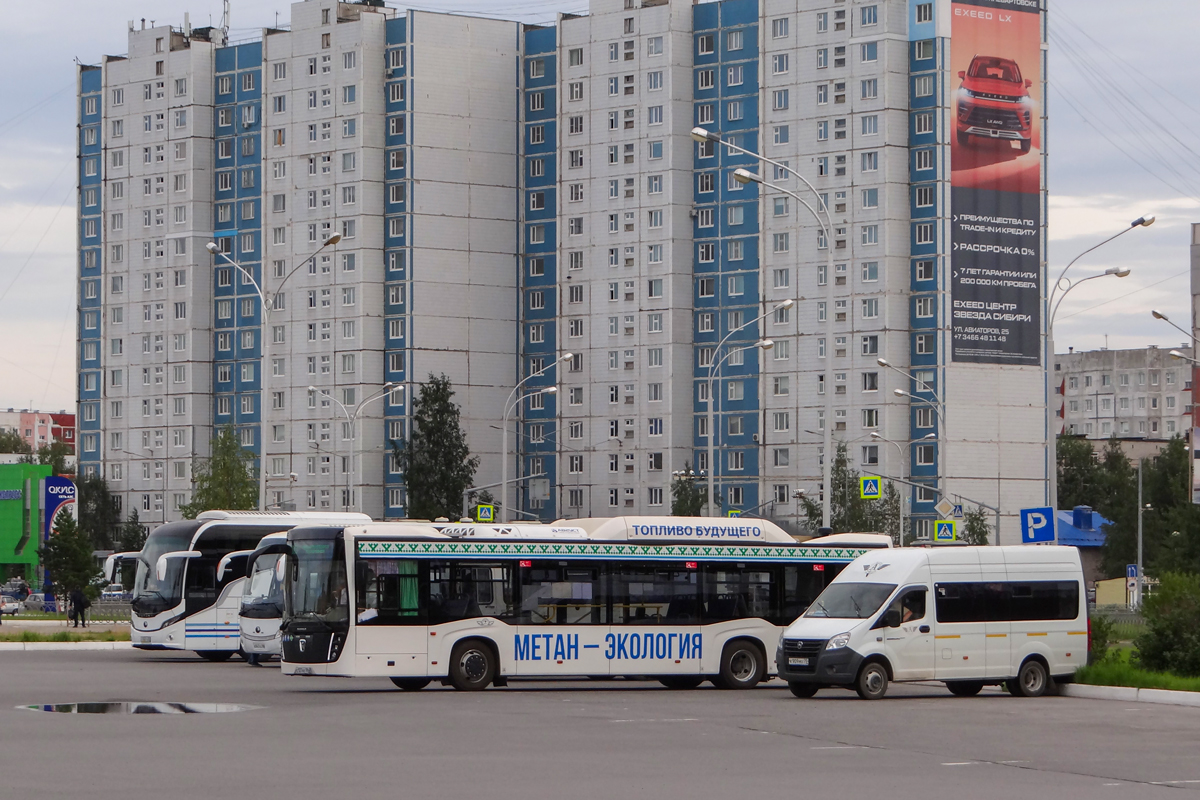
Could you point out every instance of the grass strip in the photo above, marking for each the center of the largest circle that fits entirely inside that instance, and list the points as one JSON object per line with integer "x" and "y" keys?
{"x": 65, "y": 636}
{"x": 1117, "y": 671}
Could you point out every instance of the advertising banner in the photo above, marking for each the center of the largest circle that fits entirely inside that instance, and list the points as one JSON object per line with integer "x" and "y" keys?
{"x": 58, "y": 499}
{"x": 995, "y": 182}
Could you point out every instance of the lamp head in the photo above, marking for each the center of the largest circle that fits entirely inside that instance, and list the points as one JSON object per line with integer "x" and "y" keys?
{"x": 899, "y": 393}
{"x": 1120, "y": 272}
{"x": 875, "y": 435}
{"x": 745, "y": 176}
{"x": 883, "y": 362}
{"x": 702, "y": 135}
{"x": 786, "y": 304}
{"x": 1145, "y": 221}
{"x": 551, "y": 390}
{"x": 1159, "y": 315}
{"x": 1176, "y": 354}
{"x": 312, "y": 388}
{"x": 212, "y": 248}
{"x": 337, "y": 237}
{"x": 566, "y": 356}
{"x": 929, "y": 436}
{"x": 765, "y": 344}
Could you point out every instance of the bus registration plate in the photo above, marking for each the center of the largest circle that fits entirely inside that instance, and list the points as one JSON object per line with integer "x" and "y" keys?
{"x": 793, "y": 661}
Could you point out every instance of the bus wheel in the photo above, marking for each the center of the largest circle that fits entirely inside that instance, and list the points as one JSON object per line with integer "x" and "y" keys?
{"x": 472, "y": 666}
{"x": 411, "y": 684}
{"x": 803, "y": 690}
{"x": 872, "y": 682}
{"x": 215, "y": 656}
{"x": 681, "y": 681}
{"x": 964, "y": 688}
{"x": 742, "y": 666}
{"x": 1031, "y": 681}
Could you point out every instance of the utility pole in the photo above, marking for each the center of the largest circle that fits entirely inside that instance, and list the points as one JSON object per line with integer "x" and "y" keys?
{"x": 1137, "y": 592}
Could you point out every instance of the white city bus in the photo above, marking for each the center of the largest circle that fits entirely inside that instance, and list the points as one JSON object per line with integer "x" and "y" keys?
{"x": 261, "y": 608}
{"x": 680, "y": 599}
{"x": 181, "y": 600}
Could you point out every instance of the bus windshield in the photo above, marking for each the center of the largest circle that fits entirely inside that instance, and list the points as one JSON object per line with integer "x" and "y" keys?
{"x": 316, "y": 588}
{"x": 850, "y": 600}
{"x": 263, "y": 598}
{"x": 150, "y": 595}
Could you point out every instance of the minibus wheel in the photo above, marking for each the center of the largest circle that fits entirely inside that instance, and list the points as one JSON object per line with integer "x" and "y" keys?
{"x": 472, "y": 665}
{"x": 803, "y": 690}
{"x": 1031, "y": 680}
{"x": 872, "y": 683}
{"x": 681, "y": 681}
{"x": 410, "y": 684}
{"x": 964, "y": 688}
{"x": 742, "y": 666}
{"x": 216, "y": 656}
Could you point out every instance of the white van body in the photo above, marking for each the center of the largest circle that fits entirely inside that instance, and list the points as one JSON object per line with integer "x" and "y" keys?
{"x": 969, "y": 616}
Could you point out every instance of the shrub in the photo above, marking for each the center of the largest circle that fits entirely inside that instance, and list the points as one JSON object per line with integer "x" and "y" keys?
{"x": 1102, "y": 635}
{"x": 1171, "y": 639}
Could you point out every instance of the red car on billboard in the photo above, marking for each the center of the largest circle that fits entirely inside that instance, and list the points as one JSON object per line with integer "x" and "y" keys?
{"x": 994, "y": 103}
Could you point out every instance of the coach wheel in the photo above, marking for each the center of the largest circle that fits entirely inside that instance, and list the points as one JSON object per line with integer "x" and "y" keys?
{"x": 964, "y": 688}
{"x": 872, "y": 682}
{"x": 681, "y": 681}
{"x": 742, "y": 666}
{"x": 1031, "y": 681}
{"x": 472, "y": 666}
{"x": 802, "y": 690}
{"x": 411, "y": 684}
{"x": 216, "y": 656}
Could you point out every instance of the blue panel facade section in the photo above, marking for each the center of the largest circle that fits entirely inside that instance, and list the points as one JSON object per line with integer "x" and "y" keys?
{"x": 237, "y": 344}
{"x": 91, "y": 376}
{"x": 397, "y": 235}
{"x": 726, "y": 257}
{"x": 536, "y": 434}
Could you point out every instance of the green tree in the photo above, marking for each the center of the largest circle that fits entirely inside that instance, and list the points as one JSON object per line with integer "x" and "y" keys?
{"x": 1170, "y": 641}
{"x": 1117, "y": 502}
{"x": 975, "y": 528}
{"x": 67, "y": 556}
{"x": 55, "y": 454}
{"x": 1078, "y": 472}
{"x": 848, "y": 512}
{"x": 131, "y": 538}
{"x": 226, "y": 480}
{"x": 11, "y": 442}
{"x": 99, "y": 514}
{"x": 689, "y": 493}
{"x": 436, "y": 461}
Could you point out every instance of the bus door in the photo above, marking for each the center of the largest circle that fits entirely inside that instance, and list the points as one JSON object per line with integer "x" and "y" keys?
{"x": 390, "y": 619}
{"x": 657, "y": 616}
{"x": 562, "y": 619}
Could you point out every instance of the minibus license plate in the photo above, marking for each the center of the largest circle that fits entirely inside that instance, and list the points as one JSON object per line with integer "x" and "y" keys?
{"x": 793, "y": 661}
{"x": 145, "y": 640}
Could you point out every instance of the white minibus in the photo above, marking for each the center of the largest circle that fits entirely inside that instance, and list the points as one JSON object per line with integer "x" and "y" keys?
{"x": 968, "y": 616}
{"x": 678, "y": 599}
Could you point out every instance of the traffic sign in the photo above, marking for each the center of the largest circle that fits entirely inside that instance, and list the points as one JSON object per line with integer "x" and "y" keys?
{"x": 945, "y": 530}
{"x": 1131, "y": 584}
{"x": 868, "y": 488}
{"x": 1131, "y": 570}
{"x": 485, "y": 513}
{"x": 957, "y": 513}
{"x": 1037, "y": 525}
{"x": 944, "y": 507}
{"x": 733, "y": 512}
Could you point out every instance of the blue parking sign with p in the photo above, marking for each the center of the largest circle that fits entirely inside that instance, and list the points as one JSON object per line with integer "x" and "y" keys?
{"x": 1037, "y": 525}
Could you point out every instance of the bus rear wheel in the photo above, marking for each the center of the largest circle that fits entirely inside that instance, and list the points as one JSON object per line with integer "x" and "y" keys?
{"x": 964, "y": 688}
{"x": 216, "y": 656}
{"x": 410, "y": 684}
{"x": 472, "y": 666}
{"x": 743, "y": 665}
{"x": 681, "y": 681}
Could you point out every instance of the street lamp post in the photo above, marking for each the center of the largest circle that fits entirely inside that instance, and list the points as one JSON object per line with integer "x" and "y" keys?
{"x": 900, "y": 452}
{"x": 265, "y": 339}
{"x": 1051, "y": 313}
{"x": 826, "y": 224}
{"x": 504, "y": 430}
{"x": 352, "y": 420}
{"x": 508, "y": 409}
{"x": 713, "y": 367}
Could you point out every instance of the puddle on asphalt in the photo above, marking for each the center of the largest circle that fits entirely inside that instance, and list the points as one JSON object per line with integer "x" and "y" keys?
{"x": 139, "y": 708}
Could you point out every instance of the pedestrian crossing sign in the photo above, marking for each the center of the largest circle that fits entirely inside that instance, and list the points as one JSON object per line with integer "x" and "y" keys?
{"x": 945, "y": 530}
{"x": 485, "y": 513}
{"x": 868, "y": 488}
{"x": 735, "y": 513}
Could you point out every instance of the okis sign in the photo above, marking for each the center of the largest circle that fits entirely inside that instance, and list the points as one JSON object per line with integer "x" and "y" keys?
{"x": 58, "y": 498}
{"x": 995, "y": 182}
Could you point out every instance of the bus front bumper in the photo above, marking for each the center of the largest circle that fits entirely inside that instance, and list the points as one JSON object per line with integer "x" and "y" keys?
{"x": 832, "y": 668}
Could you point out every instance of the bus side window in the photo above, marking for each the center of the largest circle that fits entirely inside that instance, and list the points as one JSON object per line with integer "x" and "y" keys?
{"x": 560, "y": 593}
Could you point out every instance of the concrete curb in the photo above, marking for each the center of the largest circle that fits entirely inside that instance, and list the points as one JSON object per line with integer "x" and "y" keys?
{"x": 1129, "y": 694}
{"x": 9, "y": 647}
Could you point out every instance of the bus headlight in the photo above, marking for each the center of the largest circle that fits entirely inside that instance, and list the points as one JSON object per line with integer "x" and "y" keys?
{"x": 838, "y": 642}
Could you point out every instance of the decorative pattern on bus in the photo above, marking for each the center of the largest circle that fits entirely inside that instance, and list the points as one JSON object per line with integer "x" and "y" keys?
{"x": 674, "y": 552}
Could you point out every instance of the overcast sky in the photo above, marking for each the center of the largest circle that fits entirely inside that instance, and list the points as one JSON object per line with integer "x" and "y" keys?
{"x": 1122, "y": 141}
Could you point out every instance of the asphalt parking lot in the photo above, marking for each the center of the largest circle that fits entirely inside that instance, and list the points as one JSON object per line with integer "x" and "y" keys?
{"x": 331, "y": 738}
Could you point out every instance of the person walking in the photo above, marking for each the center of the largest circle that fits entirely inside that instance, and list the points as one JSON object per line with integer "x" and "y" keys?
{"x": 79, "y": 605}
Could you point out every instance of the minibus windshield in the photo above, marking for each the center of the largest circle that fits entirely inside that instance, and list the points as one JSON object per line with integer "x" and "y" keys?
{"x": 850, "y": 600}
